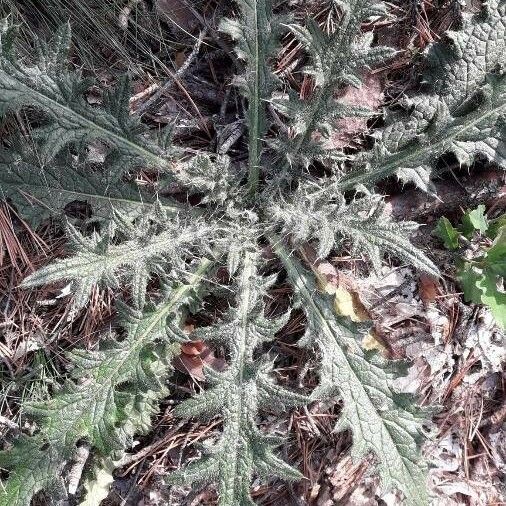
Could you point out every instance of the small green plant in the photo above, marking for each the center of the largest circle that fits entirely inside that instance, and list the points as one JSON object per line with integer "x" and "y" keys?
{"x": 275, "y": 202}
{"x": 481, "y": 273}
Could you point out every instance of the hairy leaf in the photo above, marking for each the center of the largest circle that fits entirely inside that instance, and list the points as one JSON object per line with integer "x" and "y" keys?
{"x": 49, "y": 86}
{"x": 463, "y": 112}
{"x": 154, "y": 245}
{"x": 238, "y": 393}
{"x": 40, "y": 191}
{"x": 111, "y": 396}
{"x": 337, "y": 59}
{"x": 380, "y": 419}
{"x": 256, "y": 36}
{"x": 313, "y": 215}
{"x": 458, "y": 109}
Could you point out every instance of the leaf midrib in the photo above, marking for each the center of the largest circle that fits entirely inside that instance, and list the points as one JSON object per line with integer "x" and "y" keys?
{"x": 256, "y": 109}
{"x": 240, "y": 359}
{"x": 292, "y": 269}
{"x": 169, "y": 306}
{"x": 397, "y": 160}
{"x": 120, "y": 140}
{"x": 95, "y": 196}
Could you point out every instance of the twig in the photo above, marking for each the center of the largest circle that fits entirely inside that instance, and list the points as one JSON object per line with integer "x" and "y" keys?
{"x": 181, "y": 71}
{"x": 144, "y": 93}
{"x": 77, "y": 468}
{"x": 487, "y": 188}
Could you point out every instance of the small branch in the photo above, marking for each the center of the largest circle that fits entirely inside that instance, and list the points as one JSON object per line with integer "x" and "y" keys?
{"x": 9, "y": 424}
{"x": 76, "y": 471}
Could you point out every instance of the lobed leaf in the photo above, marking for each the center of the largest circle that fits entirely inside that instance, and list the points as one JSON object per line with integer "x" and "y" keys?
{"x": 337, "y": 59}
{"x": 50, "y": 87}
{"x": 133, "y": 251}
{"x": 463, "y": 112}
{"x": 381, "y": 420}
{"x": 238, "y": 393}
{"x": 112, "y": 395}
{"x": 313, "y": 214}
{"x": 256, "y": 36}
{"x": 40, "y": 191}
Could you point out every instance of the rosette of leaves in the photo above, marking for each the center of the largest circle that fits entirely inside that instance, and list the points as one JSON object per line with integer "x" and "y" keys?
{"x": 280, "y": 206}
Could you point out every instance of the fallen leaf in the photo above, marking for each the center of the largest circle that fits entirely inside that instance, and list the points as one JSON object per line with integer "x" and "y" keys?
{"x": 177, "y": 12}
{"x": 346, "y": 300}
{"x": 192, "y": 348}
{"x": 428, "y": 288}
{"x": 194, "y": 356}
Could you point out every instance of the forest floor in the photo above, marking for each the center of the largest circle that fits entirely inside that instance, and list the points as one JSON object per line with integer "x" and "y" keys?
{"x": 456, "y": 351}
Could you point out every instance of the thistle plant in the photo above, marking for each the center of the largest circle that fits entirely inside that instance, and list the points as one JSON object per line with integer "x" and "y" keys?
{"x": 276, "y": 202}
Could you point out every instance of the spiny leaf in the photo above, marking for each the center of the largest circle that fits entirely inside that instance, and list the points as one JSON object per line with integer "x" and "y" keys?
{"x": 380, "y": 419}
{"x": 313, "y": 215}
{"x": 463, "y": 112}
{"x": 337, "y": 59}
{"x": 49, "y": 86}
{"x": 39, "y": 191}
{"x": 238, "y": 393}
{"x": 154, "y": 245}
{"x": 256, "y": 36}
{"x": 111, "y": 396}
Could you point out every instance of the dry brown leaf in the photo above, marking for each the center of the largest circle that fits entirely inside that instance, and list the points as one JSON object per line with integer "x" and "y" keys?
{"x": 196, "y": 354}
{"x": 428, "y": 288}
{"x": 346, "y": 300}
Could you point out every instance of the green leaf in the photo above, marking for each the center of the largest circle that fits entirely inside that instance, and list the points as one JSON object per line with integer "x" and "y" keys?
{"x": 256, "y": 36}
{"x": 462, "y": 113}
{"x": 40, "y": 191}
{"x": 493, "y": 298}
{"x": 50, "y": 87}
{"x": 468, "y": 278}
{"x": 315, "y": 213}
{"x": 238, "y": 393}
{"x": 111, "y": 396}
{"x": 496, "y": 225}
{"x": 381, "y": 420}
{"x": 495, "y": 259}
{"x": 127, "y": 250}
{"x": 449, "y": 235}
{"x": 474, "y": 220}
{"x": 337, "y": 59}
